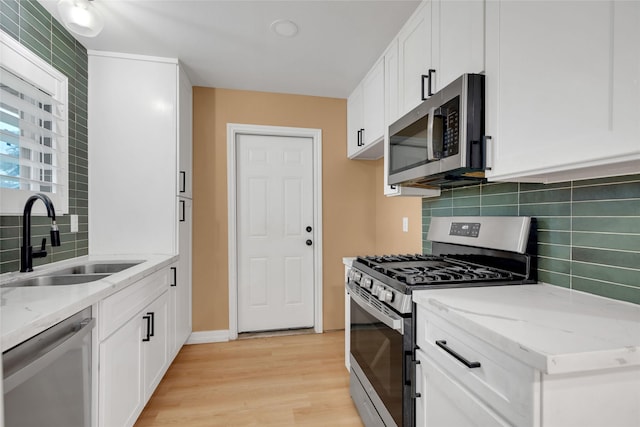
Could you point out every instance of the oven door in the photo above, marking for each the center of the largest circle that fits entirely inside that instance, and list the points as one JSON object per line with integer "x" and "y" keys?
{"x": 377, "y": 348}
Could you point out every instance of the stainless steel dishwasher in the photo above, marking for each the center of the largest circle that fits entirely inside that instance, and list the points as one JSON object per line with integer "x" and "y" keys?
{"x": 47, "y": 379}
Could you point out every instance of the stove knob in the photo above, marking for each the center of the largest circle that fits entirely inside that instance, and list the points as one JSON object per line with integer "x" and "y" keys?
{"x": 388, "y": 296}
{"x": 367, "y": 282}
{"x": 375, "y": 289}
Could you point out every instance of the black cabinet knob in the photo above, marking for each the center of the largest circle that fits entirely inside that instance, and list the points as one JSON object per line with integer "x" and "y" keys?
{"x": 309, "y": 229}
{"x": 309, "y": 242}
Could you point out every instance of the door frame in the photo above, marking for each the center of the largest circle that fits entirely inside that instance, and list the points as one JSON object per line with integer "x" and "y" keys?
{"x": 233, "y": 130}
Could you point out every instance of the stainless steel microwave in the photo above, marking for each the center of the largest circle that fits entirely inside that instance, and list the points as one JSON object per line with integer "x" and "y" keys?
{"x": 440, "y": 143}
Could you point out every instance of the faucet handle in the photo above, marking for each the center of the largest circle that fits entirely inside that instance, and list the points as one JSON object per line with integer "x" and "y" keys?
{"x": 42, "y": 252}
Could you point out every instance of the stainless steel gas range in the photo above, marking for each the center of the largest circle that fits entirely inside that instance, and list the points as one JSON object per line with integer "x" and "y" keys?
{"x": 466, "y": 252}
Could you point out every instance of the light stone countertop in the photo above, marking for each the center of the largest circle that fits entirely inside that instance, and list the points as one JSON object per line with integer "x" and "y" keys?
{"x": 553, "y": 329}
{"x": 27, "y": 311}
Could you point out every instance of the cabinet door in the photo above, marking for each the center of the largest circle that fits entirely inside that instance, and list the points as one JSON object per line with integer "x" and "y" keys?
{"x": 182, "y": 286}
{"x": 355, "y": 117}
{"x": 443, "y": 402}
{"x": 391, "y": 85}
{"x": 132, "y": 178}
{"x": 414, "y": 54}
{"x": 120, "y": 393}
{"x": 185, "y": 139}
{"x": 155, "y": 350}
{"x": 458, "y": 40}
{"x": 373, "y": 108}
{"x": 562, "y": 88}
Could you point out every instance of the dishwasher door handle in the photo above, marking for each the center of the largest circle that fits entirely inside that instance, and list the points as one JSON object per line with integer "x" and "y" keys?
{"x": 42, "y": 361}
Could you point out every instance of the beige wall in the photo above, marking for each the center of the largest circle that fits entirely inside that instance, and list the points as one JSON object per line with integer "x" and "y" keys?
{"x": 356, "y": 216}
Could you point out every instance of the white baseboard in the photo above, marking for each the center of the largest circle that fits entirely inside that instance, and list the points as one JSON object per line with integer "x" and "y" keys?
{"x": 206, "y": 337}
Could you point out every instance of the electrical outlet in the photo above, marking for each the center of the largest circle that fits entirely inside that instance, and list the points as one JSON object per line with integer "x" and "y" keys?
{"x": 405, "y": 224}
{"x": 74, "y": 223}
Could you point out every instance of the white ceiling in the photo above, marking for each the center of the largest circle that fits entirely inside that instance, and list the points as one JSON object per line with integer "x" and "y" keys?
{"x": 228, "y": 44}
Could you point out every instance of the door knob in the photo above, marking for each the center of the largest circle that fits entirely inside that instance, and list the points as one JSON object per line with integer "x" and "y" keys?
{"x": 309, "y": 229}
{"x": 309, "y": 242}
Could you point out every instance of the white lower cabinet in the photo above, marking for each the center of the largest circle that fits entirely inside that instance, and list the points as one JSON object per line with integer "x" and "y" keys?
{"x": 133, "y": 336}
{"x": 444, "y": 401}
{"x": 500, "y": 390}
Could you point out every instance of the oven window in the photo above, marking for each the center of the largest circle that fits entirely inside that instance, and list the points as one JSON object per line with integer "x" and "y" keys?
{"x": 379, "y": 353}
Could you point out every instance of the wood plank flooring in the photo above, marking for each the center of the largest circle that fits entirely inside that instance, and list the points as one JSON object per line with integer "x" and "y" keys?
{"x": 297, "y": 380}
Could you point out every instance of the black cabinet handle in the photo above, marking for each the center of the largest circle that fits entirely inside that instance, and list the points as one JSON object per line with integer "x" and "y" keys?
{"x": 148, "y": 333}
{"x": 183, "y": 184}
{"x": 443, "y": 345}
{"x": 182, "y": 207}
{"x": 153, "y": 322}
{"x": 431, "y": 73}
{"x": 175, "y": 276}
{"x": 424, "y": 77}
{"x": 414, "y": 371}
{"x": 361, "y": 137}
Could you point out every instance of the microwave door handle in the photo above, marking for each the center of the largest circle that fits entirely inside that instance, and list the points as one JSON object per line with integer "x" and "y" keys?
{"x": 430, "y": 152}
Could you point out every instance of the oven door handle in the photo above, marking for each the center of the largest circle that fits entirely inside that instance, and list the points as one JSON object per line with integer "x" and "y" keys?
{"x": 394, "y": 323}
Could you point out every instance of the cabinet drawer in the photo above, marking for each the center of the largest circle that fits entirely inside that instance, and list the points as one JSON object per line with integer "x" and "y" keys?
{"x": 505, "y": 384}
{"x": 123, "y": 305}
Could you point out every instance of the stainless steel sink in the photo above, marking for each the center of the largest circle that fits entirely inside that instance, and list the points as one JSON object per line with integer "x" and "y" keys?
{"x": 75, "y": 274}
{"x": 71, "y": 279}
{"x": 95, "y": 268}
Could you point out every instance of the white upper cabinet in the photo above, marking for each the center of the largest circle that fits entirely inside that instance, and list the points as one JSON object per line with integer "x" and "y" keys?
{"x": 414, "y": 58}
{"x": 185, "y": 131}
{"x": 440, "y": 42}
{"x": 562, "y": 89}
{"x": 365, "y": 116}
{"x": 458, "y": 40}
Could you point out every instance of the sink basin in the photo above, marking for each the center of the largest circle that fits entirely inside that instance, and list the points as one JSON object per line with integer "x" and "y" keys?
{"x": 58, "y": 280}
{"x": 95, "y": 268}
{"x": 75, "y": 274}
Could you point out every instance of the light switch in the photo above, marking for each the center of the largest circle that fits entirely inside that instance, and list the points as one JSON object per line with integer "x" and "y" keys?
{"x": 74, "y": 223}
{"x": 405, "y": 224}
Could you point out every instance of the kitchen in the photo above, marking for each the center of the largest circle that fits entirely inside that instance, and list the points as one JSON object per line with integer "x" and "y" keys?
{"x": 354, "y": 186}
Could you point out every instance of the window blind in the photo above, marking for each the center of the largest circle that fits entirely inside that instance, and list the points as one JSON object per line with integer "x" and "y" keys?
{"x": 31, "y": 130}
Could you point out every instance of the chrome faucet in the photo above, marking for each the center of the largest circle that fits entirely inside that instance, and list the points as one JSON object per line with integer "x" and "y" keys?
{"x": 26, "y": 251}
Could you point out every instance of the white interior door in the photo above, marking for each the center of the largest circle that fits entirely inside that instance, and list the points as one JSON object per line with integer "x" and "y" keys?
{"x": 275, "y": 232}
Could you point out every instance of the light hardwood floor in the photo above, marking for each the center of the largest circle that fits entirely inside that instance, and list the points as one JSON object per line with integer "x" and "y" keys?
{"x": 297, "y": 380}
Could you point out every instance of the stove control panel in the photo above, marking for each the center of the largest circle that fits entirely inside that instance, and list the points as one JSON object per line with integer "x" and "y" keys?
{"x": 379, "y": 290}
{"x": 466, "y": 229}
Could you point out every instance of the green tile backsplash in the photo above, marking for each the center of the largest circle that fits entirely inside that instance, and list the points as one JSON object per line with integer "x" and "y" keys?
{"x": 588, "y": 231}
{"x": 29, "y": 23}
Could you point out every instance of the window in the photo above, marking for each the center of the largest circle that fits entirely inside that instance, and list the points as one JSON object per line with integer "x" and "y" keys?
{"x": 33, "y": 129}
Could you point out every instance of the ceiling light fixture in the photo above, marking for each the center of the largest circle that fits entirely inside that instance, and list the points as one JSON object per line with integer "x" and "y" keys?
{"x": 80, "y": 17}
{"x": 284, "y": 28}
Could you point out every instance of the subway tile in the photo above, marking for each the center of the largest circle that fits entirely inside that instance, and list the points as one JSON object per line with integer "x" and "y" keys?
{"x": 499, "y": 188}
{"x": 10, "y": 26}
{"x": 556, "y": 265}
{"x": 607, "y": 225}
{"x": 469, "y": 211}
{"x": 624, "y": 242}
{"x": 525, "y": 186}
{"x": 36, "y": 25}
{"x": 607, "y": 257}
{"x": 554, "y": 278}
{"x": 619, "y": 292}
{"x": 499, "y": 199}
{"x": 545, "y": 196}
{"x": 499, "y": 210}
{"x": 546, "y": 209}
{"x": 465, "y": 192}
{"x": 611, "y": 208}
{"x": 554, "y": 251}
{"x": 460, "y": 202}
{"x": 622, "y": 276}
{"x": 551, "y": 223}
{"x": 35, "y": 45}
{"x": 627, "y": 190}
